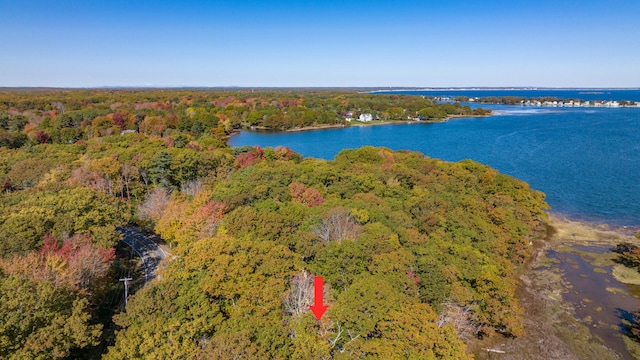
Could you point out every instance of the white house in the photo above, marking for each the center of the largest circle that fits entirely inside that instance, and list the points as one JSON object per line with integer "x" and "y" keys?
{"x": 365, "y": 117}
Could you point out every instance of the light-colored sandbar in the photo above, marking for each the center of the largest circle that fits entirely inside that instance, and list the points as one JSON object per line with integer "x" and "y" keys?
{"x": 577, "y": 231}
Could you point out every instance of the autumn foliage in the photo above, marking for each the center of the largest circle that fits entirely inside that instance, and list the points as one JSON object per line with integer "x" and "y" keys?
{"x": 51, "y": 290}
{"x": 247, "y": 159}
{"x": 417, "y": 254}
{"x": 412, "y": 260}
{"x": 75, "y": 263}
{"x": 305, "y": 195}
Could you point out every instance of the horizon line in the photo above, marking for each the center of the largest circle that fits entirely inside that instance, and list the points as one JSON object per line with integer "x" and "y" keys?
{"x": 373, "y": 88}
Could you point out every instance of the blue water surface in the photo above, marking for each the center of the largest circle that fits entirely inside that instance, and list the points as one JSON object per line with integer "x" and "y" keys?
{"x": 587, "y": 161}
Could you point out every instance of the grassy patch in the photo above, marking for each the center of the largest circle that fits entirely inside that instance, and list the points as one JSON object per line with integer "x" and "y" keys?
{"x": 626, "y": 275}
{"x": 578, "y": 338}
{"x": 615, "y": 290}
{"x": 545, "y": 262}
{"x": 596, "y": 258}
{"x": 632, "y": 346}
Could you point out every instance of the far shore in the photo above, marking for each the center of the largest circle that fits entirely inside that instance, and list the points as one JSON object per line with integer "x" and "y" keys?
{"x": 355, "y": 123}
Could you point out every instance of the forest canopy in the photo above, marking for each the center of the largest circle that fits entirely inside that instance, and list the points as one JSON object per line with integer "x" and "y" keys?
{"x": 405, "y": 243}
{"x": 418, "y": 255}
{"x": 67, "y": 116}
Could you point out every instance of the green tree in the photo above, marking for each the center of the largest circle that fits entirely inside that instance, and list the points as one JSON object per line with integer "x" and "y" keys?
{"x": 42, "y": 321}
{"x": 160, "y": 171}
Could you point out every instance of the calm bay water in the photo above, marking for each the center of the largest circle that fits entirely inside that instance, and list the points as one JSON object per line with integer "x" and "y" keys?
{"x": 587, "y": 160}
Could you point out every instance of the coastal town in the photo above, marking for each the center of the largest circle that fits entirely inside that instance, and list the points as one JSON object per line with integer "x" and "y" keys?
{"x": 578, "y": 103}
{"x": 568, "y": 103}
{"x": 366, "y": 117}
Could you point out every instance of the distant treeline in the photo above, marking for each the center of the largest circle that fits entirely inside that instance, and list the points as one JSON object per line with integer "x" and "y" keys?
{"x": 67, "y": 116}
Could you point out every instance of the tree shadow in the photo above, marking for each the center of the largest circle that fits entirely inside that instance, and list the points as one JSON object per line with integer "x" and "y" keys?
{"x": 629, "y": 324}
{"x": 628, "y": 254}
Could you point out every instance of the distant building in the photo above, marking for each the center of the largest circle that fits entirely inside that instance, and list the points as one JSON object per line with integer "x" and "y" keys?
{"x": 349, "y": 116}
{"x": 365, "y": 117}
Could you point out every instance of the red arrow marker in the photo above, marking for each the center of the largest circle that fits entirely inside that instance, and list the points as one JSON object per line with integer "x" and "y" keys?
{"x": 318, "y": 307}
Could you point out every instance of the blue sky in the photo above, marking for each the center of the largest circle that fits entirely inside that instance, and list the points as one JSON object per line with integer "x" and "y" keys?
{"x": 557, "y": 43}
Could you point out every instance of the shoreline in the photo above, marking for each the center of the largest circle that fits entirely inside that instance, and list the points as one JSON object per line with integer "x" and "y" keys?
{"x": 552, "y": 325}
{"x": 351, "y": 124}
{"x": 599, "y": 227}
{"x": 450, "y": 117}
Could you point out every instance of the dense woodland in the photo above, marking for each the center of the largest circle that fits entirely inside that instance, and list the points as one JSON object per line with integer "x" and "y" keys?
{"x": 66, "y": 116}
{"x": 418, "y": 255}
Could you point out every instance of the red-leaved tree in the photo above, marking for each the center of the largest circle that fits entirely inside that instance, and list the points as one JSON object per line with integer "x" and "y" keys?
{"x": 305, "y": 195}
{"x": 42, "y": 137}
{"x": 74, "y": 263}
{"x": 118, "y": 120}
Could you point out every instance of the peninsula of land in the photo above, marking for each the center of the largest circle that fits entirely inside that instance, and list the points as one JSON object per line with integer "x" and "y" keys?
{"x": 367, "y": 123}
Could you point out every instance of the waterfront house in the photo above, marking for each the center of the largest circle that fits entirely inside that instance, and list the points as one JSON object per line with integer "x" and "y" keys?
{"x": 365, "y": 117}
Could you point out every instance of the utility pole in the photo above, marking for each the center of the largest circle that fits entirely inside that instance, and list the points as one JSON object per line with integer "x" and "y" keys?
{"x": 126, "y": 289}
